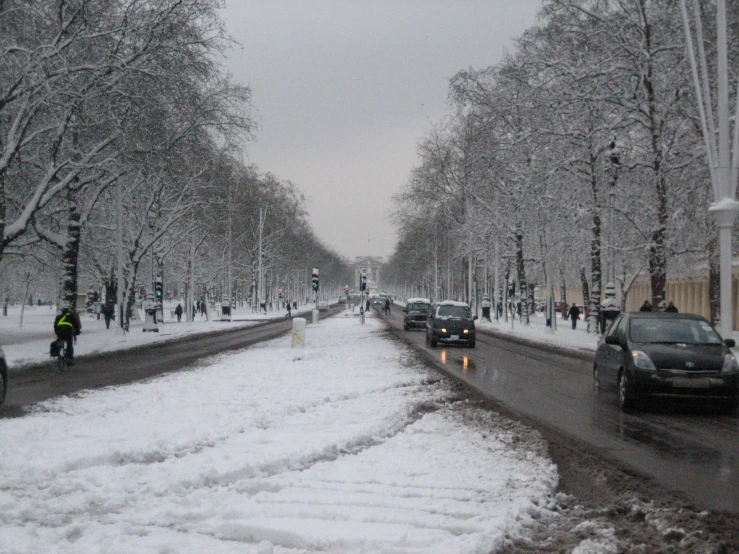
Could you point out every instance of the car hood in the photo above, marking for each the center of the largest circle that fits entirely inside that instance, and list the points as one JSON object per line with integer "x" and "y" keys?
{"x": 676, "y": 356}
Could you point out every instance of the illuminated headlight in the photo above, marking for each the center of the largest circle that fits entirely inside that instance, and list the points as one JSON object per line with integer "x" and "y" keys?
{"x": 443, "y": 330}
{"x": 730, "y": 364}
{"x": 642, "y": 361}
{"x": 466, "y": 331}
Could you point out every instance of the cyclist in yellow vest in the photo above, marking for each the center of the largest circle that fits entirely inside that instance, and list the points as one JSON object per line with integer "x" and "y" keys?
{"x": 67, "y": 326}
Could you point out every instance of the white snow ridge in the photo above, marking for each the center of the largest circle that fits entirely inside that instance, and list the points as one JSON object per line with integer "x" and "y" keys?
{"x": 346, "y": 449}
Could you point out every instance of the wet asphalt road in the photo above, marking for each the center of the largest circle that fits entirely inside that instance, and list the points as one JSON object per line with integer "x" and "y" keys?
{"x": 89, "y": 372}
{"x": 690, "y": 450}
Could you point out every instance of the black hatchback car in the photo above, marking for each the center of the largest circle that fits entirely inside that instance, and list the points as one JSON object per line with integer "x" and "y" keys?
{"x": 3, "y": 376}
{"x": 416, "y": 312}
{"x": 451, "y": 323}
{"x": 652, "y": 355}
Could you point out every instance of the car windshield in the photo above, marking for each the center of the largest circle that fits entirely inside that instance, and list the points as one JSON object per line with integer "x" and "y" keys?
{"x": 685, "y": 331}
{"x": 459, "y": 312}
{"x": 422, "y": 308}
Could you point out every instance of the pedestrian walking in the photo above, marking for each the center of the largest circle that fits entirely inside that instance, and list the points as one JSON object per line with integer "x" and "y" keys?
{"x": 485, "y": 305}
{"x": 178, "y": 312}
{"x": 108, "y": 313}
{"x": 574, "y": 314}
{"x": 671, "y": 308}
{"x": 289, "y": 312}
{"x": 368, "y": 305}
{"x": 646, "y": 307}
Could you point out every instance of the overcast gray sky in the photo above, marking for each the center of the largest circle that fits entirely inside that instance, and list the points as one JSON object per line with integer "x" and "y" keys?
{"x": 343, "y": 91}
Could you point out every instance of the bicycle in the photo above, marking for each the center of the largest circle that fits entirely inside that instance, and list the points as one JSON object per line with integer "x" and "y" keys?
{"x": 62, "y": 362}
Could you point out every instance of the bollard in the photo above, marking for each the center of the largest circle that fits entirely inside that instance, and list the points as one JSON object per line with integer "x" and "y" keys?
{"x": 315, "y": 316}
{"x": 298, "y": 335}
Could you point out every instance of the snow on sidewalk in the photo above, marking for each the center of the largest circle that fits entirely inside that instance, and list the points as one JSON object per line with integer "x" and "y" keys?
{"x": 537, "y": 331}
{"x": 348, "y": 445}
{"x": 30, "y": 344}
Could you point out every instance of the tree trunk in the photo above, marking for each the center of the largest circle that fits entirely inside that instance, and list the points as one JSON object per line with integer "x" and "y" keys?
{"x": 563, "y": 296}
{"x": 523, "y": 287}
{"x": 657, "y": 250}
{"x": 585, "y": 289}
{"x": 71, "y": 250}
{"x": 595, "y": 252}
{"x": 131, "y": 297}
{"x": 714, "y": 281}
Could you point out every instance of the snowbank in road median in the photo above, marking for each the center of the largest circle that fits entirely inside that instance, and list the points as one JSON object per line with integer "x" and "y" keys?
{"x": 343, "y": 446}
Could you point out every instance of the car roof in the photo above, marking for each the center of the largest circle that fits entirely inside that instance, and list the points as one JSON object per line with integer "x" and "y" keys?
{"x": 418, "y": 301}
{"x": 665, "y": 315}
{"x": 452, "y": 303}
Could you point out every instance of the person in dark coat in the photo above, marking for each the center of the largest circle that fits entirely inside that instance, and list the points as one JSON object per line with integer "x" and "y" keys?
{"x": 178, "y": 312}
{"x": 646, "y": 307}
{"x": 574, "y": 314}
{"x": 67, "y": 325}
{"x": 108, "y": 310}
{"x": 671, "y": 308}
{"x": 289, "y": 308}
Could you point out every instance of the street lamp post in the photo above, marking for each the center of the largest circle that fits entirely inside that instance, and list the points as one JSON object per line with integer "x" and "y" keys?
{"x": 723, "y": 163}
{"x": 609, "y": 307}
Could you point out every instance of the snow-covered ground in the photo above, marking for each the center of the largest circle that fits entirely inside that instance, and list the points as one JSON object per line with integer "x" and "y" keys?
{"x": 346, "y": 445}
{"x": 30, "y": 343}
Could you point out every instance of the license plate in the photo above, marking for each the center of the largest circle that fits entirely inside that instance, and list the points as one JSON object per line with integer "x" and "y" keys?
{"x": 454, "y": 337}
{"x": 686, "y": 383}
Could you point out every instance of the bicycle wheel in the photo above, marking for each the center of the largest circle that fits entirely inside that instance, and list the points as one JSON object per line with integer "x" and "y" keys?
{"x": 61, "y": 358}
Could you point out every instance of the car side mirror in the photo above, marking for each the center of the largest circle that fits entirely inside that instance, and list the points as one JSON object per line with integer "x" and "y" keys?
{"x": 731, "y": 343}
{"x": 614, "y": 340}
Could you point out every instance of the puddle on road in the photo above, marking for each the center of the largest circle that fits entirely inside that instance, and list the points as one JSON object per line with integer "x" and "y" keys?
{"x": 464, "y": 362}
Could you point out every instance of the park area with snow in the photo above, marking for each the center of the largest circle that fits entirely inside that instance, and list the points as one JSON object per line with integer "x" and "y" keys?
{"x": 26, "y": 341}
{"x": 347, "y": 445}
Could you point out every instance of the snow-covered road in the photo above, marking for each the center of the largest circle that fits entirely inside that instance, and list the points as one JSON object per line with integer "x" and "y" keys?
{"x": 348, "y": 445}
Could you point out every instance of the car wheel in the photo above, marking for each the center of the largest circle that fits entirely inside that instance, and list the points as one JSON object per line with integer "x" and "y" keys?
{"x": 624, "y": 391}
{"x": 731, "y": 407}
{"x": 471, "y": 344}
{"x": 434, "y": 342}
{"x": 597, "y": 387}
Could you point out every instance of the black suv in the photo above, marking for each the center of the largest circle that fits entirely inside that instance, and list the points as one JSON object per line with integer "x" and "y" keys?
{"x": 451, "y": 323}
{"x": 416, "y": 312}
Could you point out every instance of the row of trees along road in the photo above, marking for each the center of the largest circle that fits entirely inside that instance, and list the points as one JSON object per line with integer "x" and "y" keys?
{"x": 597, "y": 97}
{"x": 99, "y": 97}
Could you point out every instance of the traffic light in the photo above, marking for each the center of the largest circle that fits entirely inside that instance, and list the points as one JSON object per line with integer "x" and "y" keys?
{"x": 315, "y": 279}
{"x": 280, "y": 293}
{"x": 363, "y": 284}
{"x": 158, "y": 289}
